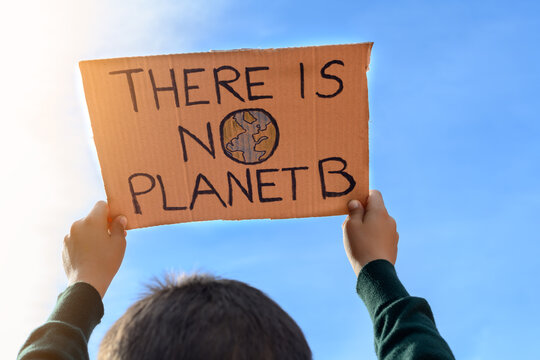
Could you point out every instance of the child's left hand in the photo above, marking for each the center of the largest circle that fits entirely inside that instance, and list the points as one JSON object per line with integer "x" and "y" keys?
{"x": 92, "y": 253}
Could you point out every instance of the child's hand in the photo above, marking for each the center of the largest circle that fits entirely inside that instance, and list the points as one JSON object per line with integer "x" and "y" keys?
{"x": 93, "y": 254}
{"x": 370, "y": 233}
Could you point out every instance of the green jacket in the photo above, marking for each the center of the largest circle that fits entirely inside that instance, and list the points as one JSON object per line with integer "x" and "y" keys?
{"x": 404, "y": 327}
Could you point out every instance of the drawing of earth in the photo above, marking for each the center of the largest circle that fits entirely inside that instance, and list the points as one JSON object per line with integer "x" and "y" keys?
{"x": 249, "y": 136}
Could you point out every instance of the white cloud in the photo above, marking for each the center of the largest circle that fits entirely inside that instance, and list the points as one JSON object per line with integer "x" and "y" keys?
{"x": 50, "y": 173}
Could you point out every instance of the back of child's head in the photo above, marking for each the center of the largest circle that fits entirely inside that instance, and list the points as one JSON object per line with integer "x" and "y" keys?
{"x": 202, "y": 317}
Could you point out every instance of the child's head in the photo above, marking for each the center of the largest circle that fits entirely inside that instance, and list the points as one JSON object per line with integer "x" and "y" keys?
{"x": 201, "y": 317}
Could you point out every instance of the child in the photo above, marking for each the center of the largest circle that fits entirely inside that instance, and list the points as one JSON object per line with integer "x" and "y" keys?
{"x": 201, "y": 317}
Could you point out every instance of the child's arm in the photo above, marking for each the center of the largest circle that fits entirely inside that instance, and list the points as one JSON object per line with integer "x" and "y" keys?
{"x": 404, "y": 327}
{"x": 92, "y": 254}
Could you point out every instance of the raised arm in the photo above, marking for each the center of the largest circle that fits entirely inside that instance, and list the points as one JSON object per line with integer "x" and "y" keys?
{"x": 92, "y": 254}
{"x": 403, "y": 325}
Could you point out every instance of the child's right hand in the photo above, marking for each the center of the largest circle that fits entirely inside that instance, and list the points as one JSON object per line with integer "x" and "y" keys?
{"x": 369, "y": 234}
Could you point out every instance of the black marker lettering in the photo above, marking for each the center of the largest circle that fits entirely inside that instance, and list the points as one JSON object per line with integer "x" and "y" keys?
{"x": 347, "y": 176}
{"x": 250, "y": 84}
{"x": 261, "y": 184}
{"x": 131, "y": 87}
{"x": 197, "y": 192}
{"x": 134, "y": 193}
{"x": 302, "y": 80}
{"x": 172, "y": 88}
{"x": 211, "y": 150}
{"x": 164, "y": 197}
{"x": 225, "y": 83}
{"x": 247, "y": 192}
{"x": 331, "y": 77}
{"x": 188, "y": 87}
{"x": 293, "y": 178}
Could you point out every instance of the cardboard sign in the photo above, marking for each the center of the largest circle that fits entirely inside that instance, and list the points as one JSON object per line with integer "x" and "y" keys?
{"x": 244, "y": 134}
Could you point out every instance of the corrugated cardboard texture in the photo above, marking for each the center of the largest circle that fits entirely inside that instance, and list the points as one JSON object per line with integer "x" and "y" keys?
{"x": 243, "y": 134}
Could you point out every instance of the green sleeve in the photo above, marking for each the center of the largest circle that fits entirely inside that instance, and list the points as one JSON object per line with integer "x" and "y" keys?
{"x": 403, "y": 325}
{"x": 65, "y": 334}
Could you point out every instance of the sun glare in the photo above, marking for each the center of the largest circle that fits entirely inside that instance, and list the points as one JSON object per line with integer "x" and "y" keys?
{"x": 41, "y": 155}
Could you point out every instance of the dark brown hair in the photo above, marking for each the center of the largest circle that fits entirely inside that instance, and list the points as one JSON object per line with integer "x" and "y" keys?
{"x": 201, "y": 317}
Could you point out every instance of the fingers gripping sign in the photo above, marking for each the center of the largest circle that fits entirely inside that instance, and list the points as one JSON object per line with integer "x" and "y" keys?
{"x": 369, "y": 233}
{"x": 94, "y": 249}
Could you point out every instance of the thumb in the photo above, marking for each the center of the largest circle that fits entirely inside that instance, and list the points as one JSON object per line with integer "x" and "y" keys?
{"x": 356, "y": 210}
{"x": 118, "y": 227}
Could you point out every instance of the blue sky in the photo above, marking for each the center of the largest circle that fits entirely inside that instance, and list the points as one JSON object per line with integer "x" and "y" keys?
{"x": 453, "y": 89}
